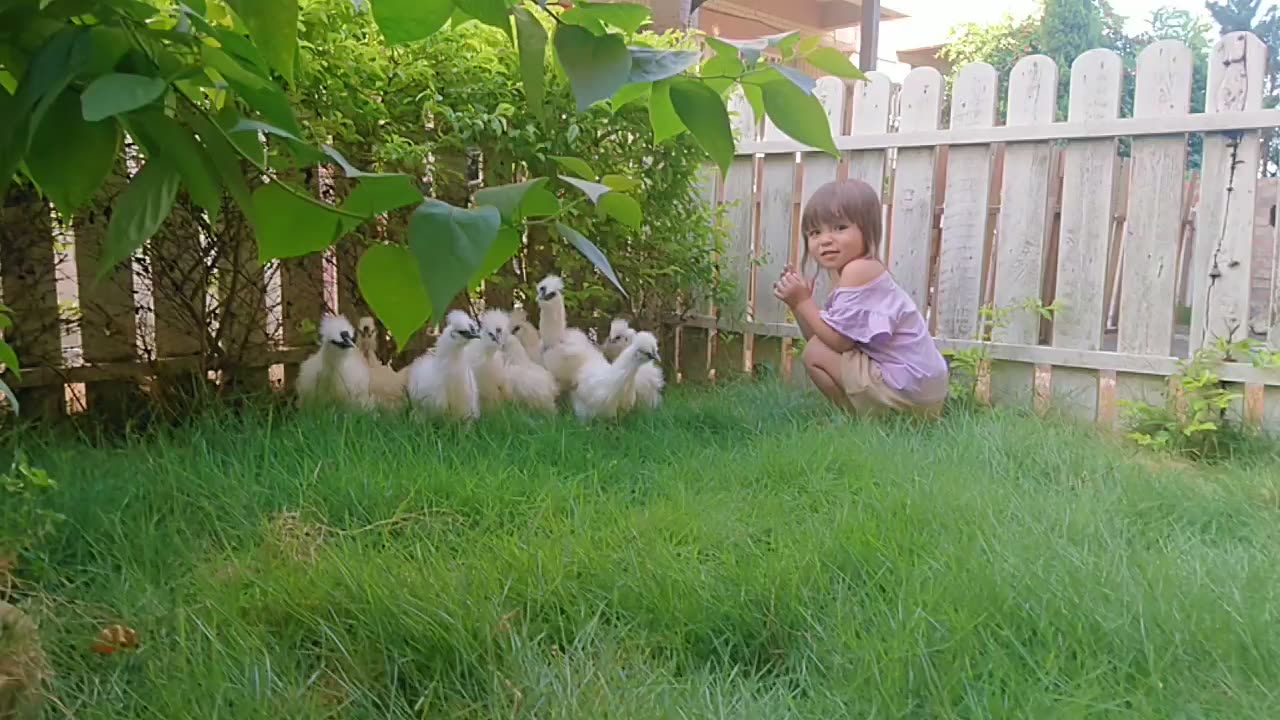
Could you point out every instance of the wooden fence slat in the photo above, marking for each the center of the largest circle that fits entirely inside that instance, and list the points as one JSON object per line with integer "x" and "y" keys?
{"x": 964, "y": 212}
{"x": 820, "y": 169}
{"x": 739, "y": 197}
{"x": 913, "y": 186}
{"x": 108, "y": 317}
{"x": 773, "y": 250}
{"x": 1224, "y": 220}
{"x": 30, "y": 291}
{"x": 872, "y": 102}
{"x": 1154, "y": 218}
{"x": 1024, "y": 222}
{"x": 1088, "y": 181}
{"x": 696, "y": 344}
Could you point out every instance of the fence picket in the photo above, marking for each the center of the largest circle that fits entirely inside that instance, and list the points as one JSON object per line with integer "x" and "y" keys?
{"x": 773, "y": 249}
{"x": 911, "y": 239}
{"x": 964, "y": 210}
{"x": 820, "y": 169}
{"x": 1024, "y": 221}
{"x": 1088, "y": 183}
{"x": 739, "y": 197}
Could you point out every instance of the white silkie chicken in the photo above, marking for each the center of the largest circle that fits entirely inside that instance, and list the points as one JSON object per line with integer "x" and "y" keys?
{"x": 387, "y": 385}
{"x": 649, "y": 379}
{"x": 441, "y": 382}
{"x": 336, "y": 373}
{"x": 565, "y": 350}
{"x": 605, "y": 390}
{"x": 527, "y": 334}
{"x": 486, "y": 360}
{"x": 528, "y": 383}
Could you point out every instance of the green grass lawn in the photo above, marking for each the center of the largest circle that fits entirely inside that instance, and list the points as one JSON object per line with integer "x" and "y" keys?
{"x": 739, "y": 554}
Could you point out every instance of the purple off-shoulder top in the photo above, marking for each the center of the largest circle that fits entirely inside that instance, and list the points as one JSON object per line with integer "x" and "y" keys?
{"x": 886, "y": 325}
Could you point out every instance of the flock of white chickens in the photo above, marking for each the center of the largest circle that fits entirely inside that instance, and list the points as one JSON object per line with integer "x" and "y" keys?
{"x": 479, "y": 365}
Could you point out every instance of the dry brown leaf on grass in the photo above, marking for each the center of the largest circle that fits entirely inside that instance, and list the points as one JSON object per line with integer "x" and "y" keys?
{"x": 115, "y": 637}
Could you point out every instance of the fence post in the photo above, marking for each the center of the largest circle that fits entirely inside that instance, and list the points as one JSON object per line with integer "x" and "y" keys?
{"x": 30, "y": 291}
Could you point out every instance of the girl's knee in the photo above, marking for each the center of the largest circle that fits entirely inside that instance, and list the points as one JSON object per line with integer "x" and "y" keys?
{"x": 815, "y": 354}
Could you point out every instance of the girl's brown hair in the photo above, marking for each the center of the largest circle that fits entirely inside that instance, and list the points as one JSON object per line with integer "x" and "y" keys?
{"x": 848, "y": 201}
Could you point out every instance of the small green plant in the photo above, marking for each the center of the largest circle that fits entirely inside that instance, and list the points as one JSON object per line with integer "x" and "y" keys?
{"x": 8, "y": 359}
{"x": 969, "y": 364}
{"x": 25, "y": 521}
{"x": 1197, "y": 422}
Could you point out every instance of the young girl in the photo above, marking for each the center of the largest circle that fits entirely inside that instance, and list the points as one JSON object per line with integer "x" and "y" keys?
{"x": 870, "y": 350}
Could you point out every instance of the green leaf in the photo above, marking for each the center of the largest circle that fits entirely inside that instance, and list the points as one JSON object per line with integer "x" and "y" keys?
{"x": 508, "y": 198}
{"x": 119, "y": 93}
{"x": 390, "y": 282}
{"x": 720, "y": 72}
{"x": 749, "y": 50}
{"x": 785, "y": 42}
{"x": 273, "y": 25}
{"x": 627, "y": 17}
{"x": 289, "y": 226}
{"x": 248, "y": 145}
{"x": 375, "y": 195}
{"x": 808, "y": 44}
{"x": 138, "y": 212}
{"x": 755, "y": 98}
{"x": 576, "y": 166}
{"x": 593, "y": 190}
{"x": 504, "y": 247}
{"x": 224, "y": 158}
{"x": 590, "y": 252}
{"x": 348, "y": 169}
{"x": 831, "y": 60}
{"x": 702, "y": 110}
{"x": 245, "y": 134}
{"x": 662, "y": 114}
{"x": 9, "y": 359}
{"x": 649, "y": 65}
{"x": 162, "y": 136}
{"x": 493, "y": 13}
{"x": 450, "y": 244}
{"x": 623, "y": 208}
{"x": 50, "y": 70}
{"x": 597, "y": 66}
{"x": 540, "y": 202}
{"x": 620, "y": 183}
{"x": 403, "y": 21}
{"x": 532, "y": 40}
{"x": 13, "y": 399}
{"x": 261, "y": 94}
{"x": 630, "y": 93}
{"x": 799, "y": 115}
{"x": 797, "y": 78}
{"x": 69, "y": 158}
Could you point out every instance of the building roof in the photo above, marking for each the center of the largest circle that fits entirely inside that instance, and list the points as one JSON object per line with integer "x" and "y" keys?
{"x": 821, "y": 15}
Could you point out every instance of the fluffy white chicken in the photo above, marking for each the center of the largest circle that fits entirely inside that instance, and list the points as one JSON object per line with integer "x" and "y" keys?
{"x": 527, "y": 333}
{"x": 565, "y": 350}
{"x": 649, "y": 379}
{"x": 528, "y": 383}
{"x": 604, "y": 389}
{"x": 386, "y": 384}
{"x": 441, "y": 382}
{"x": 336, "y": 373}
{"x": 486, "y": 360}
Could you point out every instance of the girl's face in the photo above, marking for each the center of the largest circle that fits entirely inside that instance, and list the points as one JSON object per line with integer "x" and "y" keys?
{"x": 836, "y": 245}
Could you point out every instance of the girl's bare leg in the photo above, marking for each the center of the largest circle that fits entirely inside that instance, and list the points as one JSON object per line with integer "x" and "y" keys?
{"x": 823, "y": 365}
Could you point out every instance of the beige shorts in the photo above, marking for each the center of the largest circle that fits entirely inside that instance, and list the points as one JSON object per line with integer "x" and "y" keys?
{"x": 864, "y": 385}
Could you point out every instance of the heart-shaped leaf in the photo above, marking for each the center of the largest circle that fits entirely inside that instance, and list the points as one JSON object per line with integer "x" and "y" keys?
{"x": 493, "y": 13}
{"x": 623, "y": 208}
{"x": 450, "y": 244}
{"x": 376, "y": 195}
{"x": 597, "y": 66}
{"x": 289, "y": 226}
{"x": 649, "y": 64}
{"x": 503, "y": 249}
{"x": 390, "y": 282}
{"x": 508, "y": 198}
{"x": 118, "y": 93}
{"x": 662, "y": 114}
{"x": 620, "y": 183}
{"x": 627, "y": 17}
{"x": 403, "y": 21}
{"x": 539, "y": 202}
{"x": 831, "y": 60}
{"x": 799, "y": 115}
{"x": 70, "y": 158}
{"x": 138, "y": 212}
{"x": 575, "y": 166}
{"x": 593, "y": 189}
{"x": 701, "y": 109}
{"x": 260, "y": 93}
{"x": 273, "y": 25}
{"x": 721, "y": 71}
{"x": 161, "y": 135}
{"x": 531, "y": 38}
{"x": 590, "y": 252}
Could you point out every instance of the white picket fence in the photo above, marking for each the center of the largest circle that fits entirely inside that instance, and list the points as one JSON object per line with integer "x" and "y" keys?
{"x": 985, "y": 214}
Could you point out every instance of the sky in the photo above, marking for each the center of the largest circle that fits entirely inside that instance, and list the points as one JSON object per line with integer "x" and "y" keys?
{"x": 932, "y": 20}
